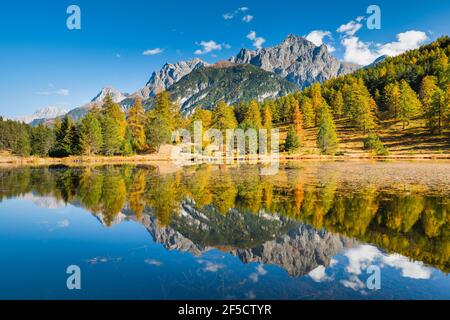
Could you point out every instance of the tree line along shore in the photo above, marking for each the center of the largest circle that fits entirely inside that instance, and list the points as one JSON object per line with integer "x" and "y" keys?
{"x": 398, "y": 108}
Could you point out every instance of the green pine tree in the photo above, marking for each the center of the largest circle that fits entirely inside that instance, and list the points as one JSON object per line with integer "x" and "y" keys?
{"x": 136, "y": 124}
{"x": 91, "y": 137}
{"x": 292, "y": 142}
{"x": 409, "y": 106}
{"x": 223, "y": 117}
{"x": 327, "y": 138}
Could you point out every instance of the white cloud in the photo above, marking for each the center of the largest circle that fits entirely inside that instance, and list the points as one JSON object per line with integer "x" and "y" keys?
{"x": 350, "y": 28}
{"x": 319, "y": 275}
{"x": 248, "y": 18}
{"x": 405, "y": 41}
{"x": 152, "y": 262}
{"x": 63, "y": 92}
{"x": 250, "y": 295}
{"x": 410, "y": 269}
{"x": 317, "y": 37}
{"x": 353, "y": 283}
{"x": 357, "y": 51}
{"x": 152, "y": 52}
{"x": 331, "y": 49}
{"x": 59, "y": 92}
{"x": 360, "y": 258}
{"x": 362, "y": 53}
{"x": 103, "y": 260}
{"x": 209, "y": 46}
{"x": 238, "y": 12}
{"x": 213, "y": 267}
{"x": 257, "y": 41}
{"x": 228, "y": 16}
{"x": 210, "y": 266}
{"x": 260, "y": 271}
{"x": 63, "y": 223}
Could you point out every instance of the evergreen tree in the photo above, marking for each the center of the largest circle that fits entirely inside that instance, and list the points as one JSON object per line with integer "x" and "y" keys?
{"x": 327, "y": 137}
{"x": 91, "y": 137}
{"x": 430, "y": 95}
{"x": 297, "y": 119}
{"x": 114, "y": 112}
{"x": 447, "y": 106}
{"x": 136, "y": 124}
{"x": 361, "y": 107}
{"x": 409, "y": 104}
{"x": 439, "y": 109}
{"x": 267, "y": 124}
{"x": 203, "y": 116}
{"x": 169, "y": 112}
{"x": 112, "y": 142}
{"x": 317, "y": 101}
{"x": 42, "y": 140}
{"x": 114, "y": 127}
{"x": 65, "y": 133}
{"x": 337, "y": 104}
{"x": 239, "y": 111}
{"x": 223, "y": 117}
{"x": 252, "y": 118}
{"x": 292, "y": 142}
{"x": 23, "y": 147}
{"x": 308, "y": 112}
{"x": 128, "y": 145}
{"x": 392, "y": 99}
{"x": 272, "y": 106}
{"x": 157, "y": 133}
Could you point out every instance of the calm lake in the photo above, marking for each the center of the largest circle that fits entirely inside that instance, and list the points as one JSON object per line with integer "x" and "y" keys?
{"x": 312, "y": 231}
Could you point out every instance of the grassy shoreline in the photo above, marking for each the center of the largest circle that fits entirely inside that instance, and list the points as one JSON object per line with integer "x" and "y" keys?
{"x": 153, "y": 158}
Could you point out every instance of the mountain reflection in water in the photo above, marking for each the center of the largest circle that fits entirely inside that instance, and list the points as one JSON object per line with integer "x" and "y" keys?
{"x": 298, "y": 219}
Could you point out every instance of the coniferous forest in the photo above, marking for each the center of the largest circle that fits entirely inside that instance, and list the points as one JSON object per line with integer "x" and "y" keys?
{"x": 413, "y": 88}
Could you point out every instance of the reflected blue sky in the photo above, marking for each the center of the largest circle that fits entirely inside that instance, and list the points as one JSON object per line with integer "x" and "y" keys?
{"x": 124, "y": 262}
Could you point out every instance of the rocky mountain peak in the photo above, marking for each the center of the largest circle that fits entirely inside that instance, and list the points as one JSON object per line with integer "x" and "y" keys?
{"x": 116, "y": 95}
{"x": 297, "y": 60}
{"x": 169, "y": 74}
{"x": 294, "y": 39}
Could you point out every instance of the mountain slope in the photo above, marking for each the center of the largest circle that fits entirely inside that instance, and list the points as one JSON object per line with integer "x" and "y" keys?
{"x": 297, "y": 60}
{"x": 205, "y": 87}
{"x": 167, "y": 76}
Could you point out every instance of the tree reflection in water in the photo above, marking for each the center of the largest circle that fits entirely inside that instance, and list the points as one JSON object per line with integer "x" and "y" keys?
{"x": 236, "y": 209}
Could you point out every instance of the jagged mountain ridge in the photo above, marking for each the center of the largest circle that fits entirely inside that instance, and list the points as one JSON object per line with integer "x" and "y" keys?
{"x": 295, "y": 247}
{"x": 168, "y": 76}
{"x": 297, "y": 60}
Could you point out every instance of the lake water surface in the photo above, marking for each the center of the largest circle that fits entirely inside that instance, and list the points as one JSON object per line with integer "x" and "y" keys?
{"x": 313, "y": 231}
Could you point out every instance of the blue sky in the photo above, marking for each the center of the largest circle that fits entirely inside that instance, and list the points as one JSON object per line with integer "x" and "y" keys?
{"x": 44, "y": 64}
